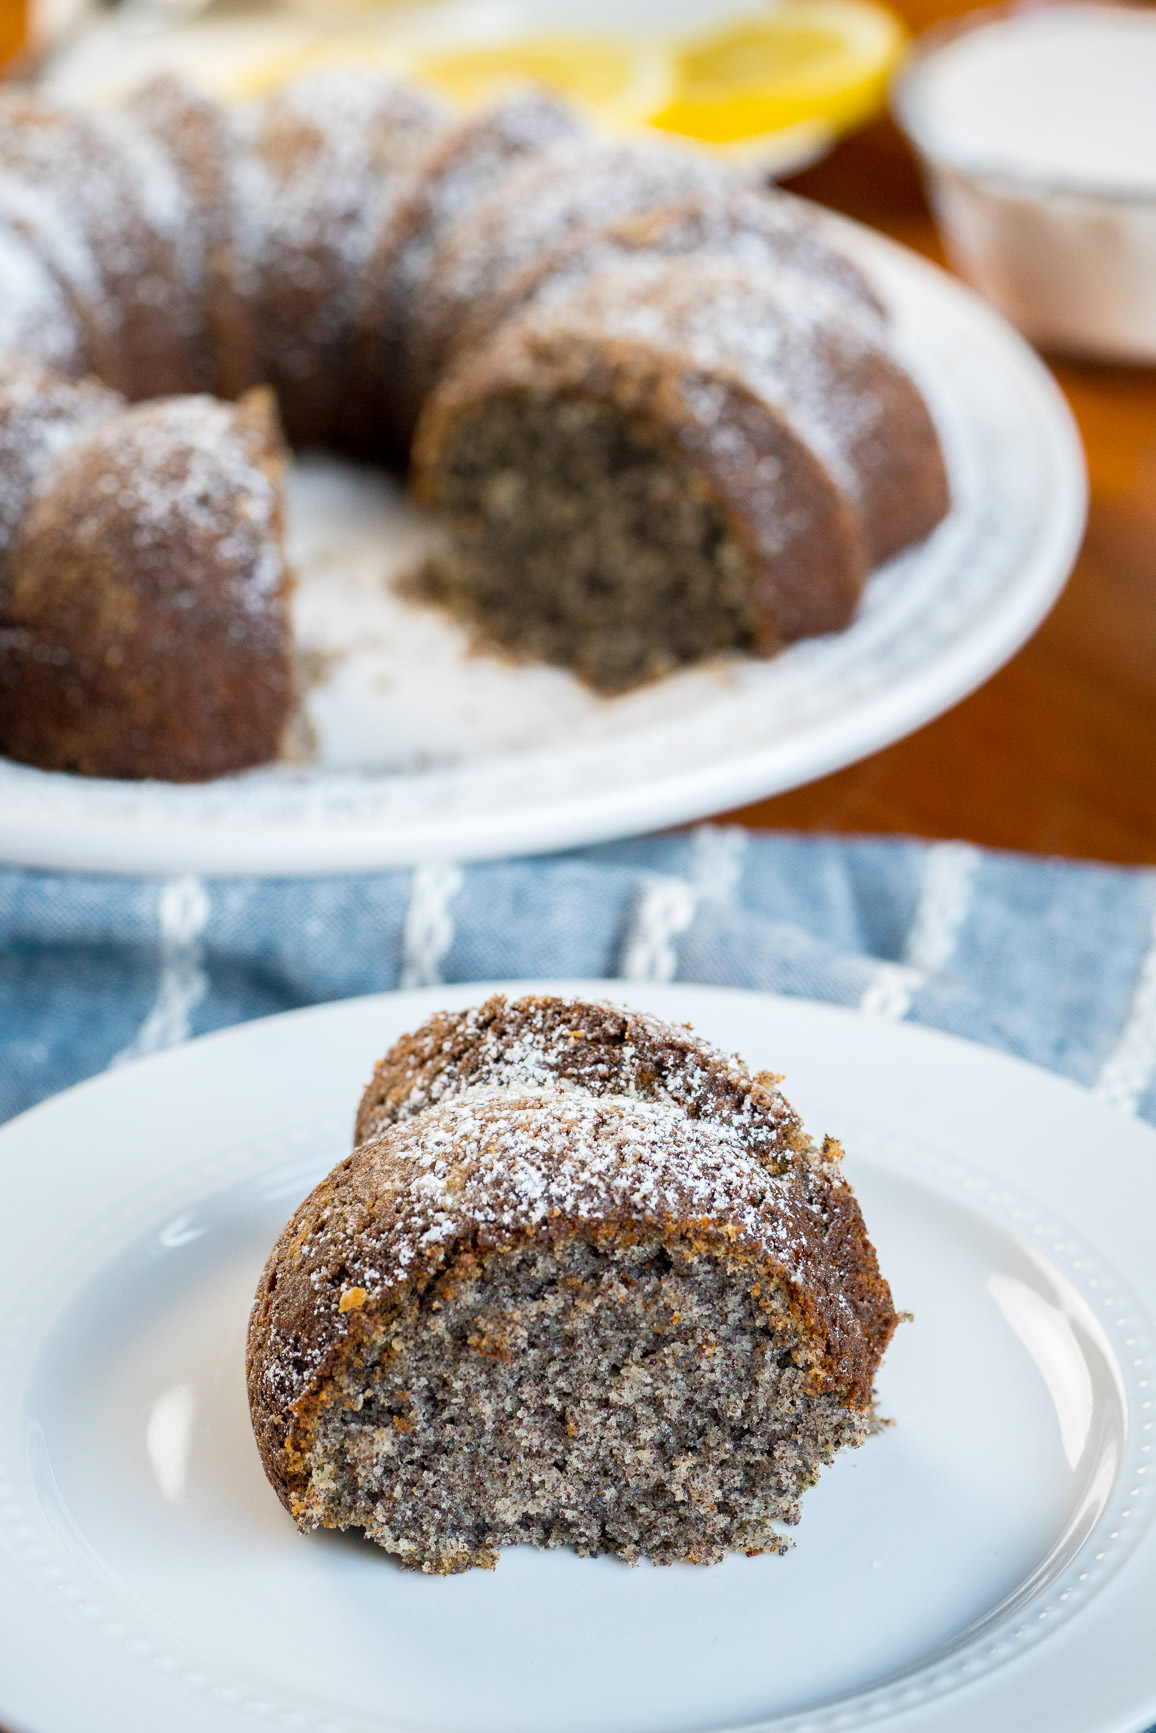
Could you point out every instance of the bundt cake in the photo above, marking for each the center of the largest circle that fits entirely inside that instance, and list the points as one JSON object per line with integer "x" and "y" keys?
{"x": 584, "y": 1282}
{"x": 660, "y": 412}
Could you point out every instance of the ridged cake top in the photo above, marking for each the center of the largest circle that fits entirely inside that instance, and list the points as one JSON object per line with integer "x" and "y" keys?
{"x": 759, "y": 229}
{"x": 35, "y": 319}
{"x": 46, "y": 163}
{"x": 334, "y": 146}
{"x": 459, "y": 168}
{"x": 574, "y": 185}
{"x": 187, "y": 473}
{"x": 462, "y": 166}
{"x": 40, "y": 416}
{"x": 599, "y": 1048}
{"x": 106, "y": 209}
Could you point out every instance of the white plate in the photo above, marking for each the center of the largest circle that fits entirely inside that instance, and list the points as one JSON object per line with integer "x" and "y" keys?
{"x": 988, "y": 1563}
{"x": 427, "y": 751}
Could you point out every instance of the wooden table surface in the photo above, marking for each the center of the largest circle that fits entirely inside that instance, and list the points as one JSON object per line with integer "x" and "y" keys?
{"x": 1057, "y": 752}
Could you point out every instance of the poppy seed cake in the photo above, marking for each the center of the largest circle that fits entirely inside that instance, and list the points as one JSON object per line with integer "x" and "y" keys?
{"x": 660, "y": 411}
{"x": 585, "y": 1283}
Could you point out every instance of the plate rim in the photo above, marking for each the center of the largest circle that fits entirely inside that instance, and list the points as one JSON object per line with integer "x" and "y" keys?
{"x": 291, "y": 847}
{"x": 1103, "y": 1624}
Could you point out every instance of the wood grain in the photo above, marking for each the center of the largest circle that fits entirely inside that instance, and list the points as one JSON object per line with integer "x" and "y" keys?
{"x": 12, "y": 19}
{"x": 1056, "y": 753}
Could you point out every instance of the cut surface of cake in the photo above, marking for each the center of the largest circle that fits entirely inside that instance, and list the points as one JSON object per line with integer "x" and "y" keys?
{"x": 585, "y": 1283}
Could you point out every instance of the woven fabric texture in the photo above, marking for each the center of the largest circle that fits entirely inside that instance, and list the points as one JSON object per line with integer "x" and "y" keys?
{"x": 1052, "y": 960}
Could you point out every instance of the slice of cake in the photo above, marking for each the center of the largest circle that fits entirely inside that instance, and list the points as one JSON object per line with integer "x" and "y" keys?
{"x": 586, "y": 1283}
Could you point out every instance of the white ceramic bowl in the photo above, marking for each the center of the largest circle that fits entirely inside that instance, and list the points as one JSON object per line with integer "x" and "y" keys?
{"x": 1037, "y": 135}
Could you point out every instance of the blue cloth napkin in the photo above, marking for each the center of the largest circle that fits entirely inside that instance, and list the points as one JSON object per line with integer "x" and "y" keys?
{"x": 1053, "y": 960}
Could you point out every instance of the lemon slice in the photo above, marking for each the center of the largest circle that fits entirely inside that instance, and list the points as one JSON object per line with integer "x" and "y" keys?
{"x": 614, "y": 80}
{"x": 806, "y": 61}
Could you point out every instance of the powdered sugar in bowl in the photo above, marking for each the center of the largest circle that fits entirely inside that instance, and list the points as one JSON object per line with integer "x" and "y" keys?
{"x": 1037, "y": 135}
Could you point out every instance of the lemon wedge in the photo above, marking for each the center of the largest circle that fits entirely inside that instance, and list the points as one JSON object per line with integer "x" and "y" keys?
{"x": 825, "y": 61}
{"x": 614, "y": 80}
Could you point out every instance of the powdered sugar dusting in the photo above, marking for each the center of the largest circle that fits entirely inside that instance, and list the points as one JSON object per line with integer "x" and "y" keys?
{"x": 40, "y": 416}
{"x": 401, "y": 291}
{"x": 163, "y": 199}
{"x": 790, "y": 337}
{"x": 178, "y": 469}
{"x": 462, "y": 171}
{"x": 35, "y": 319}
{"x": 512, "y": 1158}
{"x": 537, "y": 1043}
{"x": 331, "y": 154}
{"x": 762, "y": 229}
{"x": 35, "y": 203}
{"x": 572, "y": 186}
{"x": 105, "y": 209}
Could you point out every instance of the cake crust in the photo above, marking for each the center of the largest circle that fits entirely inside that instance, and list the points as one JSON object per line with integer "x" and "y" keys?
{"x": 41, "y": 414}
{"x": 460, "y": 164}
{"x": 203, "y": 142}
{"x": 335, "y": 151}
{"x": 144, "y": 630}
{"x": 763, "y": 228}
{"x": 604, "y": 1050}
{"x": 557, "y": 195}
